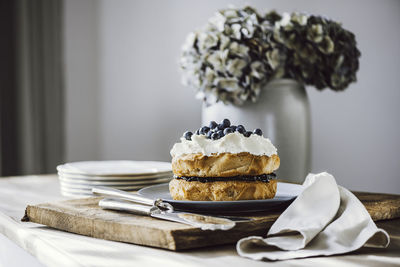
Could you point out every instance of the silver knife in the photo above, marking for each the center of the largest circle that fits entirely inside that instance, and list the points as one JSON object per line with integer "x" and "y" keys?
{"x": 201, "y": 221}
{"x": 160, "y": 203}
{"x": 112, "y": 192}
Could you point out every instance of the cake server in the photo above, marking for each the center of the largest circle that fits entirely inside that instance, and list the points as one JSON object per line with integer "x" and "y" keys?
{"x": 204, "y": 222}
{"x": 160, "y": 203}
{"x": 112, "y": 192}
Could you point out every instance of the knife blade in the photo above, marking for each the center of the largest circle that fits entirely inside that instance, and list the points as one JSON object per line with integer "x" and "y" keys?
{"x": 203, "y": 222}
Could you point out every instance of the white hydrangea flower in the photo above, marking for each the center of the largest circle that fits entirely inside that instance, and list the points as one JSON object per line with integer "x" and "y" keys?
{"x": 224, "y": 42}
{"x": 224, "y": 58}
{"x": 189, "y": 42}
{"x": 218, "y": 60}
{"x": 257, "y": 70}
{"x": 315, "y": 33}
{"x": 206, "y": 41}
{"x": 285, "y": 21}
{"x": 209, "y": 76}
{"x": 299, "y": 18}
{"x": 218, "y": 21}
{"x": 235, "y": 66}
{"x": 228, "y": 84}
{"x": 237, "y": 49}
{"x": 230, "y": 13}
{"x": 236, "y": 30}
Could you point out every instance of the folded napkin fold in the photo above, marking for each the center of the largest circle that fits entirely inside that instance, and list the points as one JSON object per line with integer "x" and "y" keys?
{"x": 325, "y": 219}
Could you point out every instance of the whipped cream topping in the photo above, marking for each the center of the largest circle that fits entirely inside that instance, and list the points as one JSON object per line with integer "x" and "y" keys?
{"x": 230, "y": 143}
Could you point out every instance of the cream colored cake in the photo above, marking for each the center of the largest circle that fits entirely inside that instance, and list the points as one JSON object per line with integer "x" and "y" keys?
{"x": 235, "y": 165}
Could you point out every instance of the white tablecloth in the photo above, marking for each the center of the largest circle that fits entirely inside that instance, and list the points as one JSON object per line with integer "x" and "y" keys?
{"x": 57, "y": 248}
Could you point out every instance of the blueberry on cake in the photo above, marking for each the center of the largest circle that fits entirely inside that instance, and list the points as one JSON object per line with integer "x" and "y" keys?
{"x": 223, "y": 162}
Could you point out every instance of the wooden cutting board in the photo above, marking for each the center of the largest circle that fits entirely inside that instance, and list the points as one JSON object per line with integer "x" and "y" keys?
{"x": 83, "y": 216}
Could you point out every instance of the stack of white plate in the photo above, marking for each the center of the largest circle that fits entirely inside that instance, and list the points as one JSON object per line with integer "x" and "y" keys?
{"x": 78, "y": 178}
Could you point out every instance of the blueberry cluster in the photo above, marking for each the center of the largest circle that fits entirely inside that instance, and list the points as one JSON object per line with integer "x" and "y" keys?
{"x": 216, "y": 131}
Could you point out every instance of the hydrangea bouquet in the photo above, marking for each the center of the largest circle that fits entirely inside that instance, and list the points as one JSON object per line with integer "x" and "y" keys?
{"x": 239, "y": 50}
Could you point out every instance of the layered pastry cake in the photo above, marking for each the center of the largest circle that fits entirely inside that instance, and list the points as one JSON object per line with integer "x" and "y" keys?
{"x": 223, "y": 162}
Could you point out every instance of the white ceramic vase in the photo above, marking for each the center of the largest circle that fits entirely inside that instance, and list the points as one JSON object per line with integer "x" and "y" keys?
{"x": 283, "y": 114}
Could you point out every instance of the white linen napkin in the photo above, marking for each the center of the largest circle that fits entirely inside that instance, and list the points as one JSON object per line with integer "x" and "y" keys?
{"x": 325, "y": 219}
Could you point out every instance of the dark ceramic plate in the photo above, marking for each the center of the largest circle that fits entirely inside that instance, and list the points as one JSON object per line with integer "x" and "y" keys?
{"x": 285, "y": 193}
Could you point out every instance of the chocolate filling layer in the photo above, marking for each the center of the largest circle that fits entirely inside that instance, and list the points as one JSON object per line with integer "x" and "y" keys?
{"x": 255, "y": 178}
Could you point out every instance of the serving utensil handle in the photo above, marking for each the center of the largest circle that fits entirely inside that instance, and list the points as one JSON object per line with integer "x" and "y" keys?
{"x": 112, "y": 192}
{"x": 118, "y": 204}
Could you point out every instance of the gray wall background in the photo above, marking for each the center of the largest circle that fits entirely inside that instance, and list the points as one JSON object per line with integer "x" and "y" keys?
{"x": 125, "y": 101}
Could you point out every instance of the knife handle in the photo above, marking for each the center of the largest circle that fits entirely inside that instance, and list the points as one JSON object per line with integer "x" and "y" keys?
{"x": 118, "y": 204}
{"x": 112, "y": 192}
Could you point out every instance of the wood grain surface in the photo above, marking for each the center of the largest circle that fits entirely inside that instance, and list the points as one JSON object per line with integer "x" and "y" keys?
{"x": 83, "y": 216}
